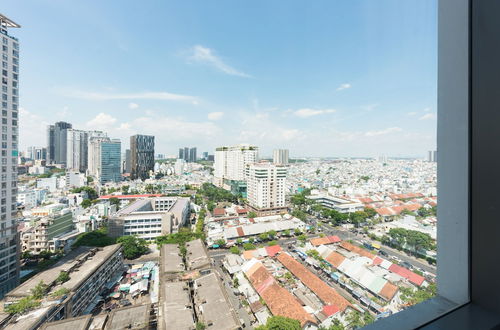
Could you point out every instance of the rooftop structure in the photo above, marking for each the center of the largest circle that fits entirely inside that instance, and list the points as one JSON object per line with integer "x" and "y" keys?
{"x": 278, "y": 299}
{"x": 171, "y": 259}
{"x": 177, "y": 312}
{"x": 150, "y": 217}
{"x": 212, "y": 305}
{"x": 325, "y": 292}
{"x": 132, "y": 317}
{"x": 197, "y": 257}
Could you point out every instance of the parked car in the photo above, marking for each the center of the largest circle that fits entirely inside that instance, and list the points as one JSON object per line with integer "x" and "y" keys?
{"x": 125, "y": 302}
{"x": 407, "y": 265}
{"x": 383, "y": 253}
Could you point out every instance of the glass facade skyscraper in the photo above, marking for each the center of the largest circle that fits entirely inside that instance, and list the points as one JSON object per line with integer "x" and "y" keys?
{"x": 110, "y": 161}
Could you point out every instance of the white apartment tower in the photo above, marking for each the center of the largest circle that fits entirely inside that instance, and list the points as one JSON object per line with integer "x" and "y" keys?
{"x": 266, "y": 184}
{"x": 77, "y": 148}
{"x": 9, "y": 238}
{"x": 230, "y": 162}
{"x": 280, "y": 156}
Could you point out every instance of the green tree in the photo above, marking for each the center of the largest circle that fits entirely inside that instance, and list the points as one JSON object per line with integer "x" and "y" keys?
{"x": 125, "y": 189}
{"x": 286, "y": 232}
{"x": 239, "y": 241}
{"x": 302, "y": 237}
{"x": 234, "y": 250}
{"x": 23, "y": 305}
{"x": 90, "y": 179}
{"x": 200, "y": 326}
{"x": 248, "y": 246}
{"x": 94, "y": 238}
{"x": 220, "y": 242}
{"x": 282, "y": 323}
{"x": 252, "y": 215}
{"x": 133, "y": 246}
{"x": 299, "y": 214}
{"x": 91, "y": 193}
{"x": 39, "y": 290}
{"x": 114, "y": 201}
{"x": 63, "y": 277}
{"x": 264, "y": 236}
{"x": 86, "y": 203}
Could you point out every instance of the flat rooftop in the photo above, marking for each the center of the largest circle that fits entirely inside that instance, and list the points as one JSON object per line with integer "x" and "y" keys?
{"x": 176, "y": 307}
{"x": 76, "y": 323}
{"x": 64, "y": 264}
{"x": 210, "y": 299}
{"x": 133, "y": 317}
{"x": 67, "y": 264}
{"x": 171, "y": 259}
{"x": 197, "y": 256}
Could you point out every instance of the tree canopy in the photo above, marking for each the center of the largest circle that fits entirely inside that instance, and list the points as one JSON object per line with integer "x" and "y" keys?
{"x": 94, "y": 238}
{"x": 133, "y": 246}
{"x": 280, "y": 323}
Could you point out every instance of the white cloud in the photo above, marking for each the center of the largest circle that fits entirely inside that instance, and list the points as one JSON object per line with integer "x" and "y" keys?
{"x": 306, "y": 112}
{"x": 207, "y": 56}
{"x": 64, "y": 113}
{"x": 426, "y": 110}
{"x": 133, "y": 105}
{"x": 427, "y": 116}
{"x": 383, "y": 132}
{"x": 215, "y": 115}
{"x": 97, "y": 96}
{"x": 101, "y": 121}
{"x": 32, "y": 128}
{"x": 344, "y": 86}
{"x": 413, "y": 113}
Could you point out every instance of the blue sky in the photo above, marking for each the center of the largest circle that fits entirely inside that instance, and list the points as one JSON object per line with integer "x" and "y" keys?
{"x": 322, "y": 78}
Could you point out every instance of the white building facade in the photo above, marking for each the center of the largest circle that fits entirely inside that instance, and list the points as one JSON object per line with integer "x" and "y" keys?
{"x": 280, "y": 156}
{"x": 230, "y": 162}
{"x": 9, "y": 239}
{"x": 266, "y": 185}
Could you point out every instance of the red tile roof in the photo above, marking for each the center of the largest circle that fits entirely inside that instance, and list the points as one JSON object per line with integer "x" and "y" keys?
{"x": 377, "y": 261}
{"x": 241, "y": 211}
{"x": 353, "y": 248}
{"x": 409, "y": 275}
{"x": 319, "y": 241}
{"x": 240, "y": 232}
{"x": 335, "y": 259}
{"x": 325, "y": 292}
{"x": 334, "y": 239}
{"x": 273, "y": 250}
{"x": 329, "y": 310}
{"x": 219, "y": 211}
{"x": 388, "y": 291}
{"x": 278, "y": 299}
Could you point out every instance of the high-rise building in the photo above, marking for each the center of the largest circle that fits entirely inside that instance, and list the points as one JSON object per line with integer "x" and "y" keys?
{"x": 266, "y": 187}
{"x": 230, "y": 162}
{"x": 36, "y": 153}
{"x": 432, "y": 156}
{"x": 186, "y": 154}
{"x": 205, "y": 155}
{"x": 9, "y": 237}
{"x": 110, "y": 167}
{"x": 192, "y": 155}
{"x": 142, "y": 148}
{"x": 181, "y": 153}
{"x": 128, "y": 161}
{"x": 105, "y": 159}
{"x": 280, "y": 156}
{"x": 77, "y": 150}
{"x": 57, "y": 142}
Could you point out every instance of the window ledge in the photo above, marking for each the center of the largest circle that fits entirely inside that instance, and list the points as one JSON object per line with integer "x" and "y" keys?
{"x": 415, "y": 316}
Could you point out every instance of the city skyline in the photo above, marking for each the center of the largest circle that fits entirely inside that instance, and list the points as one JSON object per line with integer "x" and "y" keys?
{"x": 341, "y": 76}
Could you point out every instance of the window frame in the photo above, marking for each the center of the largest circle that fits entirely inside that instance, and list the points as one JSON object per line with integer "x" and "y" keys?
{"x": 453, "y": 168}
